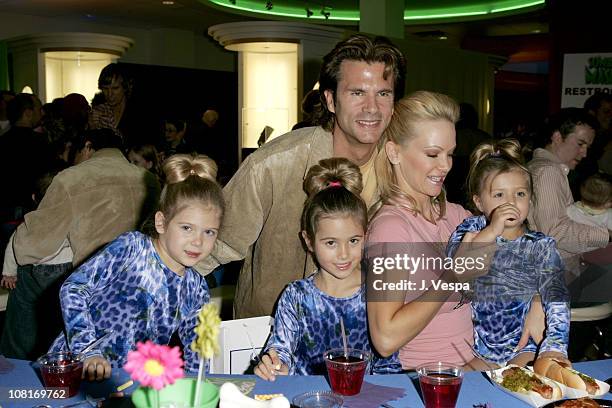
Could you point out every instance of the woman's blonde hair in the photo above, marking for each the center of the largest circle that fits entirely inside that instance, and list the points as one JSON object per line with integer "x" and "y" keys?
{"x": 189, "y": 178}
{"x": 417, "y": 107}
{"x": 490, "y": 159}
{"x": 333, "y": 187}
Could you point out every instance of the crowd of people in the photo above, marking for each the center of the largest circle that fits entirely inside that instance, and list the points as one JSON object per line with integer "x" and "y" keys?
{"x": 308, "y": 213}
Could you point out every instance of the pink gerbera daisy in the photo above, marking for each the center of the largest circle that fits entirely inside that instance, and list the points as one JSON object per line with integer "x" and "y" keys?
{"x": 154, "y": 365}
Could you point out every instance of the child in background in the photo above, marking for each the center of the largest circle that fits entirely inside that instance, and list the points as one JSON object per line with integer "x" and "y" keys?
{"x": 62, "y": 256}
{"x": 595, "y": 206}
{"x": 307, "y": 320}
{"x": 524, "y": 264}
{"x": 146, "y": 156}
{"x": 143, "y": 287}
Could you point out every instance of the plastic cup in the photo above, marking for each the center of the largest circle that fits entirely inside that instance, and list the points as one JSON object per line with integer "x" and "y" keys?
{"x": 62, "y": 370}
{"x": 346, "y": 372}
{"x": 440, "y": 384}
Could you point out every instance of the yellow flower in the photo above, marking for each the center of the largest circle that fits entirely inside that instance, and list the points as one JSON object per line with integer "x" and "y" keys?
{"x": 207, "y": 331}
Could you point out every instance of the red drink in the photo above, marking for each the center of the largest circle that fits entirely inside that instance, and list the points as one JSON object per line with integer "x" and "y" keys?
{"x": 440, "y": 384}
{"x": 62, "y": 370}
{"x": 346, "y": 372}
{"x": 440, "y": 393}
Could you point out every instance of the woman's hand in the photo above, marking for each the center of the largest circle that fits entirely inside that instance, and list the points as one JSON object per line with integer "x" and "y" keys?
{"x": 271, "y": 366}
{"x": 96, "y": 368}
{"x": 535, "y": 324}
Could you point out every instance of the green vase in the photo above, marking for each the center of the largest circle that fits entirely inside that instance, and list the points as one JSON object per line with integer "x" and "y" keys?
{"x": 181, "y": 394}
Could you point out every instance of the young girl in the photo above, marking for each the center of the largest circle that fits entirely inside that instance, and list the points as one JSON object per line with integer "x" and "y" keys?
{"x": 144, "y": 288}
{"x": 523, "y": 263}
{"x": 146, "y": 156}
{"x": 307, "y": 321}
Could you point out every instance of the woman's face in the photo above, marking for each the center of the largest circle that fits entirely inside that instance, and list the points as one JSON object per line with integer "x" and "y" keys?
{"x": 422, "y": 162}
{"x": 138, "y": 160}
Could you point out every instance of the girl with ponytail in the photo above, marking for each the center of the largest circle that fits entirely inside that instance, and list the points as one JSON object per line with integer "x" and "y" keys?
{"x": 142, "y": 287}
{"x": 307, "y": 320}
{"x": 523, "y": 263}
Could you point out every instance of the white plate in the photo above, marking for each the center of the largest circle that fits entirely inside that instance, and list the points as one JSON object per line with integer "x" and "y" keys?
{"x": 532, "y": 398}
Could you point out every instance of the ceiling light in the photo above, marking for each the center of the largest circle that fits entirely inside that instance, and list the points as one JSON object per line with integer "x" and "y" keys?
{"x": 325, "y": 13}
{"x": 269, "y": 5}
{"x": 308, "y": 12}
{"x": 168, "y": 2}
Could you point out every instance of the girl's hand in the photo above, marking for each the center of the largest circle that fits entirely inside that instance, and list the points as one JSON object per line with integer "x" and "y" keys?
{"x": 96, "y": 368}
{"x": 556, "y": 355}
{"x": 500, "y": 215}
{"x": 8, "y": 282}
{"x": 271, "y": 366}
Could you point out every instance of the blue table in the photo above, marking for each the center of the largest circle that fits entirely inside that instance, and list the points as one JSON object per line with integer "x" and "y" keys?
{"x": 476, "y": 388}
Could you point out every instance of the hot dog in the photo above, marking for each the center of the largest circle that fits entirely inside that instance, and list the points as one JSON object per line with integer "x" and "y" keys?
{"x": 561, "y": 372}
{"x": 520, "y": 380}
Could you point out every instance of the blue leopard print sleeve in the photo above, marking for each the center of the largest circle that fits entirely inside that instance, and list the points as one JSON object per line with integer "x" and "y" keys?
{"x": 307, "y": 323}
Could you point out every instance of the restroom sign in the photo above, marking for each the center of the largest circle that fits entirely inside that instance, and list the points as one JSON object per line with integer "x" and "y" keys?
{"x": 585, "y": 75}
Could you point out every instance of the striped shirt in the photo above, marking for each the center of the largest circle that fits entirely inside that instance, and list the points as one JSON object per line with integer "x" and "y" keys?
{"x": 548, "y": 212}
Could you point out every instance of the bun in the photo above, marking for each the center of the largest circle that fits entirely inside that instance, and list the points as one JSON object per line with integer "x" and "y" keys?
{"x": 561, "y": 372}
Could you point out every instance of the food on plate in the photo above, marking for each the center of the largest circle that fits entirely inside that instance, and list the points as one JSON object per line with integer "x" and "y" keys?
{"x": 520, "y": 380}
{"x": 580, "y": 403}
{"x": 561, "y": 371}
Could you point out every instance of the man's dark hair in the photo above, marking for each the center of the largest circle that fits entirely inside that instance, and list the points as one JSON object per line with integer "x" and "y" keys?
{"x": 358, "y": 47}
{"x": 594, "y": 101}
{"x": 18, "y": 105}
{"x": 99, "y": 139}
{"x": 565, "y": 122}
{"x": 113, "y": 71}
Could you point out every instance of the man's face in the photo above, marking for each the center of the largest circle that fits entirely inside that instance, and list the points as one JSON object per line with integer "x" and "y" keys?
{"x": 604, "y": 114}
{"x": 36, "y": 112}
{"x": 113, "y": 92}
{"x": 574, "y": 147}
{"x": 362, "y": 103}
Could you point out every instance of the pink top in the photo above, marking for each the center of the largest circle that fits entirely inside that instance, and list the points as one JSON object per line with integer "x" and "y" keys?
{"x": 449, "y": 336}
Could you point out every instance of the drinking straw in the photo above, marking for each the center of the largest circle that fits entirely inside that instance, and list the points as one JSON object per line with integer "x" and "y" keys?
{"x": 343, "y": 338}
{"x": 96, "y": 342}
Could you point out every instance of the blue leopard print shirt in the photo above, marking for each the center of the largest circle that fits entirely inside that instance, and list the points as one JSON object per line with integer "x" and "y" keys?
{"x": 501, "y": 300}
{"x": 127, "y": 288}
{"x": 307, "y": 324}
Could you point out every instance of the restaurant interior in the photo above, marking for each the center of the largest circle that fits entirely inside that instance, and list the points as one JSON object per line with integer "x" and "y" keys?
{"x": 253, "y": 61}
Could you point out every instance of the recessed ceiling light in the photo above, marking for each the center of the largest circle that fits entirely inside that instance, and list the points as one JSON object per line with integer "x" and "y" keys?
{"x": 168, "y": 2}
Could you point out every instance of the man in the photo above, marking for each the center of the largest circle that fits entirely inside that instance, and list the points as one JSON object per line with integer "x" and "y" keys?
{"x": 88, "y": 205}
{"x": 569, "y": 134}
{"x": 5, "y": 98}
{"x": 360, "y": 80}
{"x": 26, "y": 157}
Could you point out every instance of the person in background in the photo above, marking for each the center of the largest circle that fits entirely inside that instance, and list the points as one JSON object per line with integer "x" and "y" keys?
{"x": 88, "y": 204}
{"x": 116, "y": 112}
{"x": 5, "y": 97}
{"x": 174, "y": 134}
{"x": 564, "y": 143}
{"x": 142, "y": 287}
{"x": 595, "y": 207}
{"x": 310, "y": 311}
{"x": 146, "y": 156}
{"x": 360, "y": 80}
